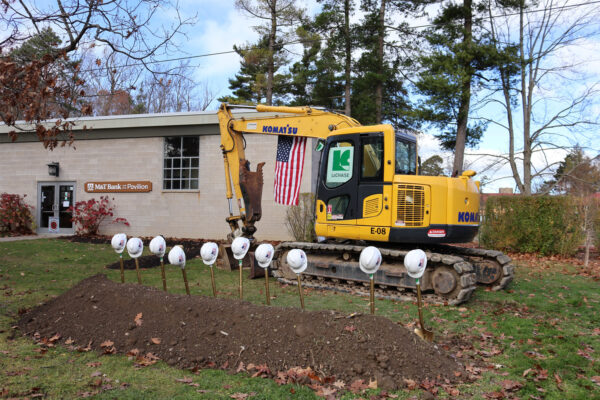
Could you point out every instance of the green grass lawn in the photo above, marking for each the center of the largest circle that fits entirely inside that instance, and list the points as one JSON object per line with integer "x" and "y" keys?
{"x": 541, "y": 339}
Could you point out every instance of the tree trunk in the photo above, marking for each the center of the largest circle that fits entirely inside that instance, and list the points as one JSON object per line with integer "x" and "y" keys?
{"x": 526, "y": 93}
{"x": 271, "y": 55}
{"x": 348, "y": 58}
{"x": 465, "y": 96}
{"x": 380, "y": 44}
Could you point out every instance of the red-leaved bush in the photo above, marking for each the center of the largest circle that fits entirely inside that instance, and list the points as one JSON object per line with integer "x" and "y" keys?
{"x": 89, "y": 214}
{"x": 15, "y": 214}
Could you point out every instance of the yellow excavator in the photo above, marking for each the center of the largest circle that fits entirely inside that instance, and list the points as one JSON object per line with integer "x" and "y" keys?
{"x": 369, "y": 192}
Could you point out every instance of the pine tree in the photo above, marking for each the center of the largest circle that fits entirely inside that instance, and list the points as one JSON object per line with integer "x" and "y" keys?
{"x": 379, "y": 93}
{"x": 250, "y": 84}
{"x": 449, "y": 73}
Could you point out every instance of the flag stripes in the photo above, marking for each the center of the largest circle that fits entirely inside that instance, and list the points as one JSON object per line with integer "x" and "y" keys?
{"x": 289, "y": 166}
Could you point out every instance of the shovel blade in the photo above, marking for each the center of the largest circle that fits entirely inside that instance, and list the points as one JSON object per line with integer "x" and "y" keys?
{"x": 424, "y": 334}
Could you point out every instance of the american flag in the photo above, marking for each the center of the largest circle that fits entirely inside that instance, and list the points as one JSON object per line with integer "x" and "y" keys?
{"x": 288, "y": 169}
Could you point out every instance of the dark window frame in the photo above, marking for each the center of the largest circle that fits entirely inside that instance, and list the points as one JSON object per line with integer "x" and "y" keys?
{"x": 410, "y": 156}
{"x": 181, "y": 163}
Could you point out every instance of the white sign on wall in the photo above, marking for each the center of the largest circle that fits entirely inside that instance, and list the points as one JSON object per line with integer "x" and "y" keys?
{"x": 53, "y": 226}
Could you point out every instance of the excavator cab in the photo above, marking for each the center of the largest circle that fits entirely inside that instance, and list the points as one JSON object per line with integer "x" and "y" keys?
{"x": 354, "y": 190}
{"x": 369, "y": 189}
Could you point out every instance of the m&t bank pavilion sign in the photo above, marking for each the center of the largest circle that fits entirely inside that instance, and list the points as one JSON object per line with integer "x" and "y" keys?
{"x": 118, "y": 187}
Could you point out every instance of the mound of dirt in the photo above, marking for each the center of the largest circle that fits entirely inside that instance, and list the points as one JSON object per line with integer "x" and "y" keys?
{"x": 200, "y": 332}
{"x": 145, "y": 262}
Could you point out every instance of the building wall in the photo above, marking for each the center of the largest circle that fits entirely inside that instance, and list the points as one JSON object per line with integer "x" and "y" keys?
{"x": 193, "y": 214}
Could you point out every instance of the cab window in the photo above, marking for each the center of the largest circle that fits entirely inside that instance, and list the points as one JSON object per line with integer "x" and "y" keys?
{"x": 406, "y": 156}
{"x": 371, "y": 166}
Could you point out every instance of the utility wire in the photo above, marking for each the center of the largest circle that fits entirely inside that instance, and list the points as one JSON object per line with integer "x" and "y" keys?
{"x": 322, "y": 39}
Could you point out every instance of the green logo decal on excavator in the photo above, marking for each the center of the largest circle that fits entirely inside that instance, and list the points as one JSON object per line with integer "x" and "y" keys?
{"x": 339, "y": 165}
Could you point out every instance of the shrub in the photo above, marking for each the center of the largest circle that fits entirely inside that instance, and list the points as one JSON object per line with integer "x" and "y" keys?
{"x": 544, "y": 224}
{"x": 89, "y": 214}
{"x": 15, "y": 214}
{"x": 300, "y": 219}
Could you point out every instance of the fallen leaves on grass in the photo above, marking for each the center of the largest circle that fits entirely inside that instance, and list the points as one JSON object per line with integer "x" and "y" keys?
{"x": 358, "y": 386}
{"x": 188, "y": 381}
{"x": 451, "y": 390}
{"x": 262, "y": 370}
{"x": 141, "y": 361}
{"x": 511, "y": 386}
{"x": 49, "y": 342}
{"x": 494, "y": 395}
{"x": 108, "y": 347}
{"x": 410, "y": 384}
{"x": 430, "y": 385}
{"x": 242, "y": 396}
{"x": 93, "y": 364}
{"x": 86, "y": 348}
{"x": 537, "y": 373}
{"x": 339, "y": 384}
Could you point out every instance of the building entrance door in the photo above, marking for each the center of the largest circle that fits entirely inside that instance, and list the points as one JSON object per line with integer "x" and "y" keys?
{"x": 54, "y": 200}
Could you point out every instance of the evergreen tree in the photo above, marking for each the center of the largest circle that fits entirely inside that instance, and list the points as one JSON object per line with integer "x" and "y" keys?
{"x": 59, "y": 103}
{"x": 279, "y": 21}
{"x": 319, "y": 78}
{"x": 577, "y": 174}
{"x": 250, "y": 84}
{"x": 450, "y": 70}
{"x": 433, "y": 166}
{"x": 378, "y": 90}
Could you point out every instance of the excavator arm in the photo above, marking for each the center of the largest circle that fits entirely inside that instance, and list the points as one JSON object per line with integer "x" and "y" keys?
{"x": 239, "y": 179}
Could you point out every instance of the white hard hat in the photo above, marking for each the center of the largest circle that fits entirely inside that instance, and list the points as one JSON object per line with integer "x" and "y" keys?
{"x": 240, "y": 247}
{"x": 177, "y": 257}
{"x": 158, "y": 246}
{"x": 264, "y": 254}
{"x": 370, "y": 260}
{"x": 135, "y": 247}
{"x": 209, "y": 253}
{"x": 297, "y": 261}
{"x": 415, "y": 262}
{"x": 118, "y": 242}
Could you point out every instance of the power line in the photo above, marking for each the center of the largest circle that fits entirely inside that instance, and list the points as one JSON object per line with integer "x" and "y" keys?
{"x": 315, "y": 40}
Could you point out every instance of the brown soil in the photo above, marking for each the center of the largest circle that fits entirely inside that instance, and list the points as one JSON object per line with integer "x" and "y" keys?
{"x": 200, "y": 332}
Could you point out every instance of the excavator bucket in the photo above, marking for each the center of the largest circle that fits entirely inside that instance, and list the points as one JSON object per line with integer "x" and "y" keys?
{"x": 251, "y": 184}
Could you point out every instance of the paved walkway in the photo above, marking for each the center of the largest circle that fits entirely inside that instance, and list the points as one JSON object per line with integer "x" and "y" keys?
{"x": 32, "y": 237}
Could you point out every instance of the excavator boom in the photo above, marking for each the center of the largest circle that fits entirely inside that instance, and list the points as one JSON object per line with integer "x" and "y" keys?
{"x": 282, "y": 121}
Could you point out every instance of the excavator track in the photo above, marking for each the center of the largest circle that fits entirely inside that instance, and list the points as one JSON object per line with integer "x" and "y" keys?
{"x": 449, "y": 279}
{"x": 493, "y": 268}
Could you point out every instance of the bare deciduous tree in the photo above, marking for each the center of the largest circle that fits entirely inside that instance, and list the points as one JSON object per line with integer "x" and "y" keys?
{"x": 173, "y": 90}
{"x": 29, "y": 89}
{"x": 545, "y": 94}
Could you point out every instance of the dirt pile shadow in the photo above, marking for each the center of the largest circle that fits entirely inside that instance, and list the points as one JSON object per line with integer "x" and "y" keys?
{"x": 190, "y": 246}
{"x": 205, "y": 332}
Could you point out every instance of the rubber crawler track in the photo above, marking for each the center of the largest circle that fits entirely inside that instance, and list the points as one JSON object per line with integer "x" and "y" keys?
{"x": 471, "y": 254}
{"x": 463, "y": 268}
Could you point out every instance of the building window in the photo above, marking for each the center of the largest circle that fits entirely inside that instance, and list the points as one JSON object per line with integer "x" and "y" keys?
{"x": 181, "y": 161}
